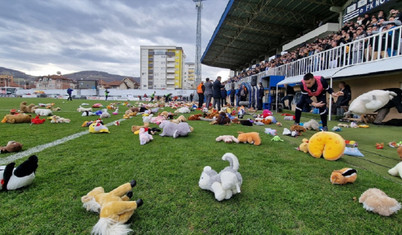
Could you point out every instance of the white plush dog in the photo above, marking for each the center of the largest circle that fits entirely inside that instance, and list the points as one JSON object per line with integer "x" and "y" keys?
{"x": 43, "y": 112}
{"x": 226, "y": 183}
{"x": 227, "y": 139}
{"x": 82, "y": 109}
{"x": 370, "y": 101}
{"x": 397, "y": 170}
{"x": 144, "y": 136}
{"x": 183, "y": 110}
{"x": 312, "y": 124}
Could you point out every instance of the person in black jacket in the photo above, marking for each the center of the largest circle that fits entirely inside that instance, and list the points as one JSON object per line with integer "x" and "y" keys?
{"x": 260, "y": 95}
{"x": 217, "y": 93}
{"x": 290, "y": 93}
{"x": 343, "y": 100}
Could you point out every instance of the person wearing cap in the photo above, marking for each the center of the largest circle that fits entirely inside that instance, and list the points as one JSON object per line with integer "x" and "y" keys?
{"x": 318, "y": 87}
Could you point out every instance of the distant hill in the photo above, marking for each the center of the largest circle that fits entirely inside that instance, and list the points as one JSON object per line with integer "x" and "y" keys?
{"x": 97, "y": 75}
{"x": 16, "y": 74}
{"x": 86, "y": 75}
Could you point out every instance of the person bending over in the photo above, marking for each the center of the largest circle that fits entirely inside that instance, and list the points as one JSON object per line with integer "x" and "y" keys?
{"x": 315, "y": 86}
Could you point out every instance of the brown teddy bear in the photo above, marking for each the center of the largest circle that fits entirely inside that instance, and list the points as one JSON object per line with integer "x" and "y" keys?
{"x": 250, "y": 137}
{"x": 19, "y": 118}
{"x": 298, "y": 128}
{"x": 27, "y": 109}
{"x": 12, "y": 146}
{"x": 195, "y": 117}
{"x": 114, "y": 208}
{"x": 135, "y": 128}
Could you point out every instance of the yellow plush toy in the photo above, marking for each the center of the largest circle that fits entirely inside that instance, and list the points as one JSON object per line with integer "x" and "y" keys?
{"x": 250, "y": 137}
{"x": 114, "y": 208}
{"x": 327, "y": 144}
{"x": 303, "y": 146}
{"x": 98, "y": 127}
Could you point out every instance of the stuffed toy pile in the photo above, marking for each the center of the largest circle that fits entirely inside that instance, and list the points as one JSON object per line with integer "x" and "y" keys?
{"x": 343, "y": 176}
{"x": 377, "y": 201}
{"x": 330, "y": 145}
{"x": 250, "y": 137}
{"x": 12, "y": 146}
{"x": 14, "y": 178}
{"x": 114, "y": 208}
{"x": 225, "y": 184}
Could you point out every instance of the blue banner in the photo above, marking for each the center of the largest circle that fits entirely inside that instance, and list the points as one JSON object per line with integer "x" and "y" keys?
{"x": 359, "y": 8}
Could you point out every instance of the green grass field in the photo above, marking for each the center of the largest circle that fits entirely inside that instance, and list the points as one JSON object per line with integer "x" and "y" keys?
{"x": 284, "y": 191}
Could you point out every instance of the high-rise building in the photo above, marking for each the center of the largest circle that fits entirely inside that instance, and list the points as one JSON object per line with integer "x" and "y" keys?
{"x": 189, "y": 76}
{"x": 162, "y": 67}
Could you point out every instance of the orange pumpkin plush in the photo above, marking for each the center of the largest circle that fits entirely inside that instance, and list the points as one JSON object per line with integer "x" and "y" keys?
{"x": 250, "y": 137}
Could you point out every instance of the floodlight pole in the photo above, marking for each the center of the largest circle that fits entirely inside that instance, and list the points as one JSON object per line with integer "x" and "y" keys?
{"x": 198, "y": 5}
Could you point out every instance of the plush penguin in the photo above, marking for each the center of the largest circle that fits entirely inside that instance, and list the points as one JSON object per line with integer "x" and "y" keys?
{"x": 14, "y": 178}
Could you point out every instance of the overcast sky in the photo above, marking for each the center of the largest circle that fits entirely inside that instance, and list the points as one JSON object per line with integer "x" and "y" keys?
{"x": 41, "y": 37}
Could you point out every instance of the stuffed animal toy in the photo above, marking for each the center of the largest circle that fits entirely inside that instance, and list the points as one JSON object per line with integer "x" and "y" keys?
{"x": 104, "y": 114}
{"x": 354, "y": 125}
{"x": 195, "y": 117}
{"x": 14, "y": 178}
{"x": 298, "y": 128}
{"x": 88, "y": 113}
{"x": 286, "y": 131}
{"x": 270, "y": 131}
{"x": 135, "y": 128}
{"x": 276, "y": 139}
{"x": 115, "y": 112}
{"x": 27, "y": 109}
{"x": 225, "y": 184}
{"x": 43, "y": 112}
{"x": 144, "y": 136}
{"x": 57, "y": 119}
{"x": 147, "y": 119}
{"x": 377, "y": 201}
{"x": 379, "y": 145}
{"x": 247, "y": 122}
{"x": 82, "y": 109}
{"x": 343, "y": 125}
{"x": 97, "y": 105}
{"x": 303, "y": 146}
{"x": 370, "y": 101}
{"x": 174, "y": 130}
{"x": 336, "y": 128}
{"x": 288, "y": 118}
{"x": 312, "y": 125}
{"x": 250, "y": 137}
{"x": 181, "y": 118}
{"x": 266, "y": 120}
{"x": 266, "y": 113}
{"x": 56, "y": 109}
{"x": 12, "y": 146}
{"x": 222, "y": 119}
{"x": 19, "y": 118}
{"x": 114, "y": 208}
{"x": 330, "y": 145}
{"x": 37, "y": 120}
{"x": 153, "y": 130}
{"x": 183, "y": 110}
{"x": 235, "y": 120}
{"x": 98, "y": 127}
{"x": 343, "y": 176}
{"x": 396, "y": 170}
{"x": 240, "y": 112}
{"x": 227, "y": 139}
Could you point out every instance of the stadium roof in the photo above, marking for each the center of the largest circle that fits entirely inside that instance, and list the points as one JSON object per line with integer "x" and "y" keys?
{"x": 249, "y": 29}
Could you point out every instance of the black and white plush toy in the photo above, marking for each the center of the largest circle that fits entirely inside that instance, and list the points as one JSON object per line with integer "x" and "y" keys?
{"x": 14, "y": 178}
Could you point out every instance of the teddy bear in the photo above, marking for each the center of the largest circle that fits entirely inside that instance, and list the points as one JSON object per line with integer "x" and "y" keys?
{"x": 19, "y": 118}
{"x": 222, "y": 119}
{"x": 377, "y": 201}
{"x": 135, "y": 128}
{"x": 57, "y": 119}
{"x": 194, "y": 117}
{"x": 43, "y": 112}
{"x": 396, "y": 170}
{"x": 370, "y": 101}
{"x": 181, "y": 118}
{"x": 27, "y": 109}
{"x": 144, "y": 136}
{"x": 312, "y": 125}
{"x": 303, "y": 146}
{"x": 225, "y": 184}
{"x": 23, "y": 175}
{"x": 174, "y": 130}
{"x": 183, "y": 110}
{"x": 343, "y": 176}
{"x": 330, "y": 145}
{"x": 250, "y": 137}
{"x": 12, "y": 146}
{"x": 227, "y": 139}
{"x": 114, "y": 208}
{"x": 297, "y": 128}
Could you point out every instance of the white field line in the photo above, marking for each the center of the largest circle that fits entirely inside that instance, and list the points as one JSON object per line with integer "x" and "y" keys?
{"x": 42, "y": 147}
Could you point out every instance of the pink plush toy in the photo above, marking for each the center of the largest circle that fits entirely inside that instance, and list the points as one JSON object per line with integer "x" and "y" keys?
{"x": 266, "y": 113}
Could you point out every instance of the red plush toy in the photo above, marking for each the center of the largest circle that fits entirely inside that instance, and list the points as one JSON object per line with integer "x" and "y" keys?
{"x": 37, "y": 120}
{"x": 379, "y": 145}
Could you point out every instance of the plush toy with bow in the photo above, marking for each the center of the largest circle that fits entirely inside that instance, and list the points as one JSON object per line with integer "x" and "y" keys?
{"x": 14, "y": 178}
{"x": 225, "y": 184}
{"x": 114, "y": 208}
{"x": 144, "y": 136}
{"x": 98, "y": 127}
